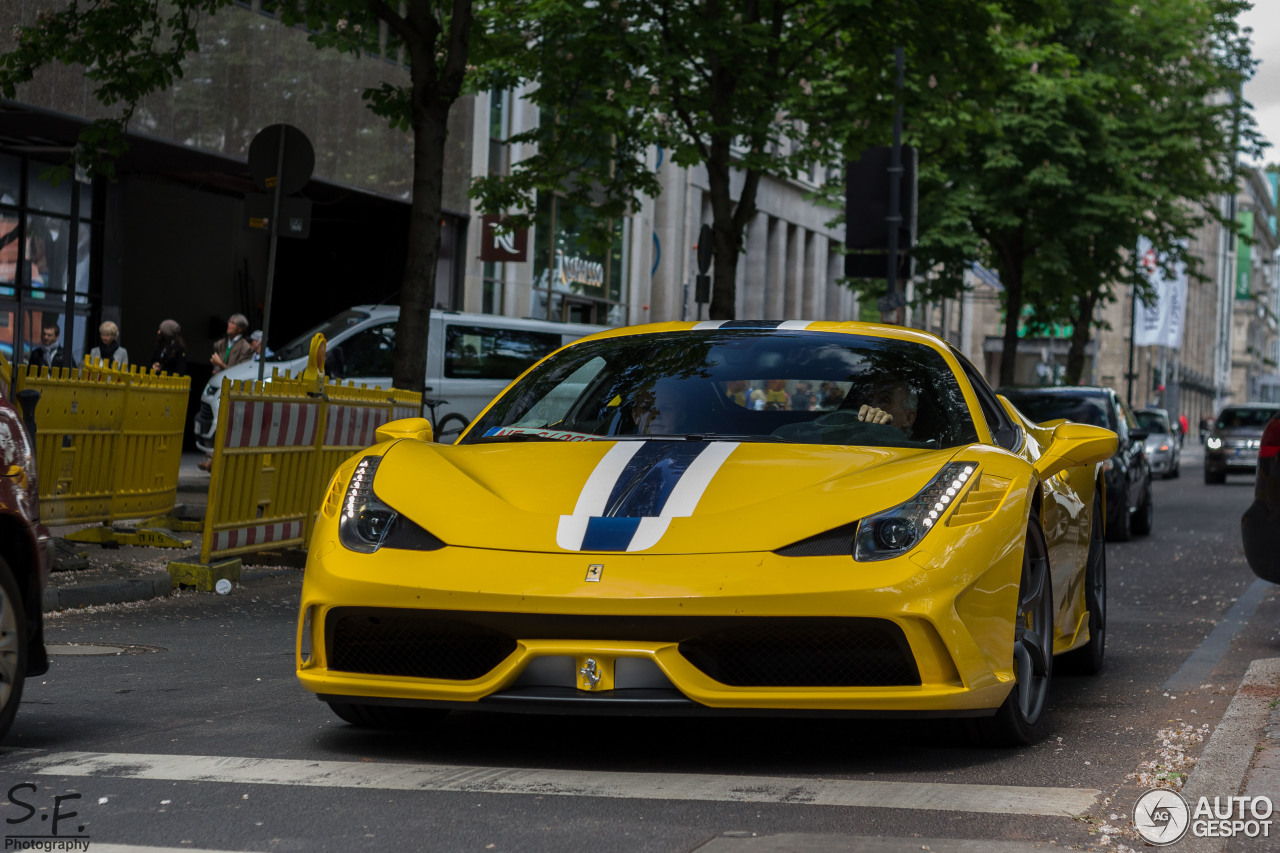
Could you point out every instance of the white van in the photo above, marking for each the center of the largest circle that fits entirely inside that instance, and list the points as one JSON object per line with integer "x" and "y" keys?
{"x": 471, "y": 357}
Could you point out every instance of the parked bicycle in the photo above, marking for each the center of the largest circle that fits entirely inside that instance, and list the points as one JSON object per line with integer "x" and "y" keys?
{"x": 445, "y": 429}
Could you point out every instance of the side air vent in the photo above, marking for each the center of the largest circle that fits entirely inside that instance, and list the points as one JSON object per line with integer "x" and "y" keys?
{"x": 980, "y": 502}
{"x": 837, "y": 542}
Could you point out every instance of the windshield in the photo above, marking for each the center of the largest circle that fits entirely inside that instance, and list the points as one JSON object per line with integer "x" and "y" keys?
{"x": 300, "y": 347}
{"x": 1083, "y": 408}
{"x": 1152, "y": 421}
{"x": 1245, "y": 417}
{"x": 741, "y": 385}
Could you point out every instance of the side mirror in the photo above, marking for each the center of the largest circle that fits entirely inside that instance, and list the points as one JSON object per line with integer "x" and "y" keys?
{"x": 1139, "y": 435}
{"x": 1074, "y": 445}
{"x": 414, "y": 429}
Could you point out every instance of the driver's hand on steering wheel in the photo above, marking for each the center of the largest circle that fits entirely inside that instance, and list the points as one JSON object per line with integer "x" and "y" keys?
{"x": 872, "y": 415}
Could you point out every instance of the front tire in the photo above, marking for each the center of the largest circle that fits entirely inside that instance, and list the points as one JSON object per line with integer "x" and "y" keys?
{"x": 1214, "y": 478}
{"x": 1088, "y": 659}
{"x": 13, "y": 647}
{"x": 1118, "y": 527}
{"x": 1020, "y": 719}
{"x": 1145, "y": 517}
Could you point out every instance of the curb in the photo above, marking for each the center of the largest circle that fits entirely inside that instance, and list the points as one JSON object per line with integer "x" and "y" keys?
{"x": 1224, "y": 766}
{"x": 158, "y": 585}
{"x": 113, "y": 592}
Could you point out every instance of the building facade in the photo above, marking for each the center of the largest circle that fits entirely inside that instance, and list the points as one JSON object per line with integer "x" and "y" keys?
{"x": 169, "y": 238}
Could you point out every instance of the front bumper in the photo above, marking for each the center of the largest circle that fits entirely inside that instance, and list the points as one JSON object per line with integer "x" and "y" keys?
{"x": 1241, "y": 460}
{"x": 660, "y": 634}
{"x": 1260, "y": 532}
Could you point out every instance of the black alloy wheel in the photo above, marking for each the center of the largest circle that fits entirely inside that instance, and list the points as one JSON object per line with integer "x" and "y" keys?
{"x": 1020, "y": 719}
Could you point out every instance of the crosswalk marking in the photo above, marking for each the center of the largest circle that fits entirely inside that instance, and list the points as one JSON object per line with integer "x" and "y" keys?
{"x": 935, "y": 796}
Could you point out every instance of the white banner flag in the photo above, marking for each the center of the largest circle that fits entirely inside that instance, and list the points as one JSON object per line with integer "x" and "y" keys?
{"x": 1160, "y": 322}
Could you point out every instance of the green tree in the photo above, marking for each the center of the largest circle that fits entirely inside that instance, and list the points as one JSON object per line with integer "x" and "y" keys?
{"x": 1113, "y": 120}
{"x": 744, "y": 88}
{"x": 132, "y": 48}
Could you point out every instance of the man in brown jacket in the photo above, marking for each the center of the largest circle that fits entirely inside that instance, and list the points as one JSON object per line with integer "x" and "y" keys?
{"x": 234, "y": 348}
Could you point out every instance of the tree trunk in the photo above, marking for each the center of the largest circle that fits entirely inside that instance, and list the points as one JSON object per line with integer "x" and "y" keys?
{"x": 434, "y": 89}
{"x": 418, "y": 286}
{"x": 1011, "y": 269}
{"x": 1082, "y": 323}
{"x": 728, "y": 224}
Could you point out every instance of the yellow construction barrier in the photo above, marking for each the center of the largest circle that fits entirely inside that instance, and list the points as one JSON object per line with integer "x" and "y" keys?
{"x": 277, "y": 444}
{"x": 108, "y": 440}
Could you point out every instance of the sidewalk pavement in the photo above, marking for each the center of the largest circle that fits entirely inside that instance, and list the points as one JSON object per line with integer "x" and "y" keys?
{"x": 1241, "y": 758}
{"x": 88, "y": 575}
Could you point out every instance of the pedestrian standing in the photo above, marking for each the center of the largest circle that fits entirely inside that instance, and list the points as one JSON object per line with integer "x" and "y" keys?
{"x": 170, "y": 354}
{"x": 234, "y": 348}
{"x": 110, "y": 349}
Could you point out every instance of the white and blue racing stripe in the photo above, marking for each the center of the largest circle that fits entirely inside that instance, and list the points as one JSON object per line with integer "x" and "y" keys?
{"x": 636, "y": 489}
{"x": 786, "y": 325}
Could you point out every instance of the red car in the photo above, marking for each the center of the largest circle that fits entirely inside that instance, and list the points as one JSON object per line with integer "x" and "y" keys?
{"x": 25, "y": 557}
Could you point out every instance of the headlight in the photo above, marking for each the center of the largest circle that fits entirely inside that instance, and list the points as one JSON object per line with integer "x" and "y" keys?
{"x": 898, "y": 530}
{"x": 1213, "y": 442}
{"x": 367, "y": 524}
{"x": 212, "y": 389}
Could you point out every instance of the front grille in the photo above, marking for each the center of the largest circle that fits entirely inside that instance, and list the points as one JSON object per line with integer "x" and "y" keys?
{"x": 805, "y": 653}
{"x": 419, "y": 644}
{"x": 741, "y": 651}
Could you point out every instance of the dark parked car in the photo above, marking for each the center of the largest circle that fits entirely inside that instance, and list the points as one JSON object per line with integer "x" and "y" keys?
{"x": 1260, "y": 526}
{"x": 1232, "y": 445}
{"x": 1164, "y": 448}
{"x": 1130, "y": 508}
{"x": 25, "y": 557}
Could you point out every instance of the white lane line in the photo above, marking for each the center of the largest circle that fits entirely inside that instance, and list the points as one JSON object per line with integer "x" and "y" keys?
{"x": 933, "y": 796}
{"x": 1197, "y": 668}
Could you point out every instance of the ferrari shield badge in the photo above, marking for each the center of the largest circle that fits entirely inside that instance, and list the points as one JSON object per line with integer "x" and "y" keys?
{"x": 594, "y": 571}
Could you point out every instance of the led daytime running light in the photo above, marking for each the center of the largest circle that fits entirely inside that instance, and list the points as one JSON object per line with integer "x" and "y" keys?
{"x": 898, "y": 530}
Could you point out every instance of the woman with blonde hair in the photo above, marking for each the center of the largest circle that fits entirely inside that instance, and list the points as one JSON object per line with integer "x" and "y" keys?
{"x": 110, "y": 349}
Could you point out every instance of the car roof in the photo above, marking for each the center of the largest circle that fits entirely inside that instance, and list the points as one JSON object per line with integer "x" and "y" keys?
{"x": 847, "y": 327}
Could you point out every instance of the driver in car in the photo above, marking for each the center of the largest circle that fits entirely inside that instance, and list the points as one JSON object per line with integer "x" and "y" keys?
{"x": 893, "y": 403}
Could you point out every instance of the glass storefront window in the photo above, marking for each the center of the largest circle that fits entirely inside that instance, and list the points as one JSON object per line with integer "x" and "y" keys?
{"x": 10, "y": 180}
{"x": 37, "y": 238}
{"x": 574, "y": 275}
{"x": 47, "y": 238}
{"x": 42, "y": 195}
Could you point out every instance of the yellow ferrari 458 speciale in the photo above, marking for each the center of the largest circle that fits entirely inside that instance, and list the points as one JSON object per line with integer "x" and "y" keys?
{"x": 717, "y": 517}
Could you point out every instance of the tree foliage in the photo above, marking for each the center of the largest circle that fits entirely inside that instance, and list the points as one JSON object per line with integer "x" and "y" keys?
{"x": 1113, "y": 120}
{"x": 746, "y": 89}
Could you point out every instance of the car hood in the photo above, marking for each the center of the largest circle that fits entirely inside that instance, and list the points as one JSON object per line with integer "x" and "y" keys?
{"x": 652, "y": 496}
{"x": 248, "y": 370}
{"x": 1239, "y": 432}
